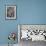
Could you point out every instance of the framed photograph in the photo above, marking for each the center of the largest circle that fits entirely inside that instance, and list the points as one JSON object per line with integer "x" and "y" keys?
{"x": 10, "y": 12}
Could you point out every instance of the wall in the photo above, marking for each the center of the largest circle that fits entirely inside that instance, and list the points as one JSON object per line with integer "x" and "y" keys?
{"x": 33, "y": 11}
{"x": 28, "y": 12}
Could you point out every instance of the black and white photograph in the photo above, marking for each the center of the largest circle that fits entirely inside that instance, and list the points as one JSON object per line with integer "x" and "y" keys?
{"x": 11, "y": 12}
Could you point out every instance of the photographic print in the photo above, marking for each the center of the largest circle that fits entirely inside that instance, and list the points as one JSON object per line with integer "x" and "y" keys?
{"x": 10, "y": 12}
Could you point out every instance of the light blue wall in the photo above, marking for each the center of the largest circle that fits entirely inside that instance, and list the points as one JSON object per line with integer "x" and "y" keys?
{"x": 32, "y": 11}
{"x": 28, "y": 12}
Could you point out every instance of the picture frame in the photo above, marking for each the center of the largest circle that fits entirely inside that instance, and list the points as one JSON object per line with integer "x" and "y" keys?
{"x": 10, "y": 12}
